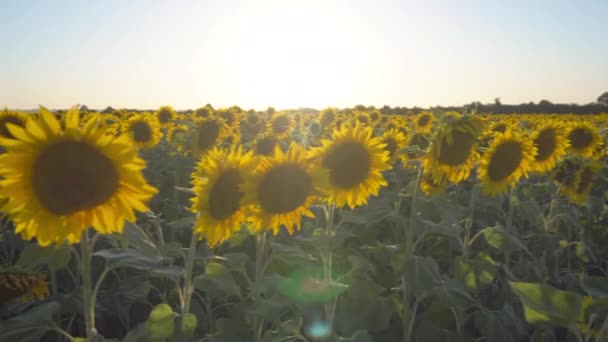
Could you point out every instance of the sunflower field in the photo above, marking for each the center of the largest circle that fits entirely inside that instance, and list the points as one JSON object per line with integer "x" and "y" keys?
{"x": 342, "y": 225}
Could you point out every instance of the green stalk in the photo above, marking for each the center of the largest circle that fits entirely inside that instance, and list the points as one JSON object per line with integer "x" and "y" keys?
{"x": 259, "y": 275}
{"x": 188, "y": 284}
{"x": 85, "y": 270}
{"x": 509, "y": 224}
{"x": 330, "y": 308}
{"x": 409, "y": 244}
{"x": 469, "y": 223}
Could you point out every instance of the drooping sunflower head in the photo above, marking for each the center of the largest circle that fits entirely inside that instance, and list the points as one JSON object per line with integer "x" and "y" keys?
{"x": 583, "y": 138}
{"x": 453, "y": 152}
{"x": 165, "y": 115}
{"x": 423, "y": 122}
{"x": 15, "y": 118}
{"x": 207, "y": 133}
{"x": 281, "y": 125}
{"x": 551, "y": 145}
{"x": 253, "y": 119}
{"x": 30, "y": 286}
{"x": 508, "y": 158}
{"x": 354, "y": 161}
{"x": 281, "y": 189}
{"x": 59, "y": 182}
{"x": 218, "y": 180}
{"x": 394, "y": 141}
{"x": 143, "y": 130}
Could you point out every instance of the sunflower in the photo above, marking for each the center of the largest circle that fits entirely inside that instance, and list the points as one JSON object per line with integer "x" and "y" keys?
{"x": 165, "y": 115}
{"x": 264, "y": 145}
{"x": 281, "y": 189}
{"x": 362, "y": 118}
{"x": 207, "y": 133}
{"x": 143, "y": 130}
{"x": 30, "y": 286}
{"x": 281, "y": 125}
{"x": 432, "y": 186}
{"x": 453, "y": 152}
{"x": 327, "y": 117}
{"x": 423, "y": 123}
{"x": 575, "y": 177}
{"x": 217, "y": 184}
{"x": 16, "y": 118}
{"x": 394, "y": 141}
{"x": 355, "y": 162}
{"x": 375, "y": 115}
{"x": 583, "y": 138}
{"x": 418, "y": 143}
{"x": 508, "y": 158}
{"x": 203, "y": 113}
{"x": 60, "y": 182}
{"x": 231, "y": 118}
{"x": 177, "y": 135}
{"x": 551, "y": 145}
{"x": 253, "y": 119}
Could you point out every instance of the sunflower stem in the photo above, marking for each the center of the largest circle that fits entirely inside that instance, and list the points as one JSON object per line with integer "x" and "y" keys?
{"x": 188, "y": 288}
{"x": 469, "y": 223}
{"x": 259, "y": 274}
{"x": 330, "y": 307}
{"x": 409, "y": 244}
{"x": 509, "y": 223}
{"x": 87, "y": 289}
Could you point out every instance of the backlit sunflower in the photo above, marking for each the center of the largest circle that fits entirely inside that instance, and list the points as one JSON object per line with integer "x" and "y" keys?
{"x": 207, "y": 133}
{"x": 327, "y": 117}
{"x": 59, "y": 182}
{"x": 217, "y": 181}
{"x": 423, "y": 122}
{"x": 281, "y": 125}
{"x": 203, "y": 113}
{"x": 453, "y": 152}
{"x": 165, "y": 115}
{"x": 231, "y": 118}
{"x": 362, "y": 118}
{"x": 177, "y": 135}
{"x": 508, "y": 158}
{"x": 583, "y": 138}
{"x": 264, "y": 145}
{"x": 575, "y": 177}
{"x": 394, "y": 141}
{"x": 143, "y": 130}
{"x": 375, "y": 115}
{"x": 281, "y": 190}
{"x": 16, "y": 118}
{"x": 355, "y": 162}
{"x": 551, "y": 145}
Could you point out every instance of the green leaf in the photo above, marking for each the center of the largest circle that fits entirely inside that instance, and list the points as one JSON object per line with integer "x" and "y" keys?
{"x": 349, "y": 216}
{"x": 215, "y": 270}
{"x": 476, "y": 272}
{"x": 545, "y": 304}
{"x": 161, "y": 323}
{"x": 422, "y": 274}
{"x": 139, "y": 240}
{"x": 581, "y": 252}
{"x": 189, "y": 323}
{"x": 138, "y": 334}
{"x": 503, "y": 240}
{"x": 594, "y": 286}
{"x": 130, "y": 258}
{"x": 55, "y": 256}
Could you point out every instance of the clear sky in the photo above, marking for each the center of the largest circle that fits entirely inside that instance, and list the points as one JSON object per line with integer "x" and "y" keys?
{"x": 289, "y": 53}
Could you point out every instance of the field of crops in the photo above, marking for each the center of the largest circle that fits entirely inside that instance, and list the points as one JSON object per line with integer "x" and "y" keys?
{"x": 344, "y": 225}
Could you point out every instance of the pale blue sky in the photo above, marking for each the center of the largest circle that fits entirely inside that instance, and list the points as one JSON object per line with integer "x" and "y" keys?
{"x": 286, "y": 54}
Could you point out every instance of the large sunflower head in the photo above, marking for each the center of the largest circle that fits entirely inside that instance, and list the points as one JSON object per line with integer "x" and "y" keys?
{"x": 59, "y": 182}
{"x": 217, "y": 180}
{"x": 165, "y": 115}
{"x": 143, "y": 130}
{"x": 354, "y": 161}
{"x": 281, "y": 125}
{"x": 508, "y": 158}
{"x": 15, "y": 118}
{"x": 207, "y": 133}
{"x": 551, "y": 145}
{"x": 583, "y": 138}
{"x": 453, "y": 152}
{"x": 281, "y": 190}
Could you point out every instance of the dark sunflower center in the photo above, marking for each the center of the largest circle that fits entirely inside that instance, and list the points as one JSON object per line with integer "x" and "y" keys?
{"x": 500, "y": 128}
{"x": 424, "y": 120}
{"x": 564, "y": 172}
{"x": 228, "y": 117}
{"x": 459, "y": 151}
{"x": 202, "y": 113}
{"x": 4, "y": 130}
{"x": 374, "y": 116}
{"x": 349, "y": 164}
{"x": 208, "y": 132}
{"x": 225, "y": 195}
{"x": 141, "y": 131}
{"x": 284, "y": 188}
{"x": 265, "y": 146}
{"x": 164, "y": 116}
{"x": 327, "y": 118}
{"x": 545, "y": 143}
{"x": 585, "y": 182}
{"x": 280, "y": 124}
{"x": 69, "y": 176}
{"x": 505, "y": 160}
{"x": 580, "y": 138}
{"x": 363, "y": 119}
{"x": 391, "y": 146}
